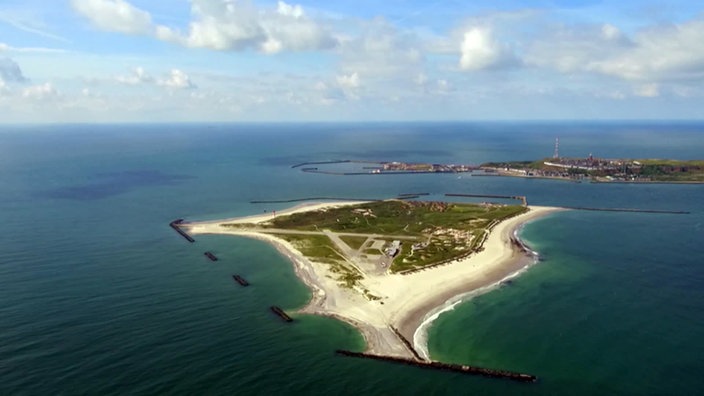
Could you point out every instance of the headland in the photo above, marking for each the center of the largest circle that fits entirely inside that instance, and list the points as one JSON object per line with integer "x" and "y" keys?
{"x": 385, "y": 302}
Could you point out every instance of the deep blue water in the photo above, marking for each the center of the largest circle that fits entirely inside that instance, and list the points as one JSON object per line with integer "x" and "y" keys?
{"x": 100, "y": 296}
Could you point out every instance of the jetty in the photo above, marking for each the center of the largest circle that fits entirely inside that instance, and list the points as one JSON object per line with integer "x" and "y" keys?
{"x": 176, "y": 225}
{"x": 211, "y": 256}
{"x": 240, "y": 280}
{"x": 458, "y": 368}
{"x": 280, "y": 313}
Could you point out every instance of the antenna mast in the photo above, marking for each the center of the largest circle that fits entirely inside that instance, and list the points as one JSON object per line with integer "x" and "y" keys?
{"x": 556, "y": 155}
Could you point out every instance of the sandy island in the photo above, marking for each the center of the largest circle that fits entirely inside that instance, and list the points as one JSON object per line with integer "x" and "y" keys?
{"x": 406, "y": 300}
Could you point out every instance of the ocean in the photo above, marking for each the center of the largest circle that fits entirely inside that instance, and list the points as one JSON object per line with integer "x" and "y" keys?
{"x": 99, "y": 296}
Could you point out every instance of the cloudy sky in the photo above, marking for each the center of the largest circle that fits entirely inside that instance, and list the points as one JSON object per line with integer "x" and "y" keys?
{"x": 260, "y": 60}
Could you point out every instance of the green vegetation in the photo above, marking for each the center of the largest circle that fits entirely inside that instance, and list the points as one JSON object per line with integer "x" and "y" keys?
{"x": 431, "y": 233}
{"x": 643, "y": 170}
{"x": 673, "y": 170}
{"x": 410, "y": 218}
{"x": 517, "y": 164}
{"x": 321, "y": 249}
{"x": 444, "y": 231}
{"x": 355, "y": 242}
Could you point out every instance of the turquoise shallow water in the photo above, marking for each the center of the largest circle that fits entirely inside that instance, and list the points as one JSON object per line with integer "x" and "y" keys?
{"x": 100, "y": 296}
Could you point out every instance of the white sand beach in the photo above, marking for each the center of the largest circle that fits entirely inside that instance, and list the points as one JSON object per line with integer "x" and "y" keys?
{"x": 406, "y": 300}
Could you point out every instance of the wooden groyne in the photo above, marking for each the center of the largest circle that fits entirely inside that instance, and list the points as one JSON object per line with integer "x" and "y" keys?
{"x": 521, "y": 198}
{"x": 211, "y": 256}
{"x": 280, "y": 313}
{"x": 407, "y": 344}
{"x": 630, "y": 210}
{"x": 458, "y": 368}
{"x": 176, "y": 226}
{"x": 240, "y": 280}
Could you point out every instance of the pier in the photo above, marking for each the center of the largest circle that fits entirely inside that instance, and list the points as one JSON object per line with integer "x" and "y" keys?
{"x": 458, "y": 368}
{"x": 211, "y": 256}
{"x": 280, "y": 313}
{"x": 240, "y": 280}
{"x": 176, "y": 226}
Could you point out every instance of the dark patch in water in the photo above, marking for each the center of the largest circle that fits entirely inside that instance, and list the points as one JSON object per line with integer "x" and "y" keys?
{"x": 111, "y": 184}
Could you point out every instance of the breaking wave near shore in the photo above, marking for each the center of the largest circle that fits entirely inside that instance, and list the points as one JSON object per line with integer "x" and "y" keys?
{"x": 420, "y": 336}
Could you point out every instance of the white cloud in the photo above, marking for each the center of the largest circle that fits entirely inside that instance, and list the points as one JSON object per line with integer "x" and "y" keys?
{"x": 348, "y": 81}
{"x": 479, "y": 50}
{"x": 10, "y": 71}
{"x": 610, "y": 32}
{"x": 420, "y": 79}
{"x": 664, "y": 53}
{"x": 575, "y": 48}
{"x": 34, "y": 50}
{"x": 443, "y": 86}
{"x": 671, "y": 52}
{"x": 289, "y": 10}
{"x": 647, "y": 90}
{"x": 115, "y": 16}
{"x": 137, "y": 77}
{"x": 380, "y": 50}
{"x": 40, "y": 92}
{"x": 238, "y": 25}
{"x": 177, "y": 79}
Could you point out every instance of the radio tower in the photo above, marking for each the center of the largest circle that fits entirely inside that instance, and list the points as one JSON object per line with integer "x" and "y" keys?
{"x": 556, "y": 155}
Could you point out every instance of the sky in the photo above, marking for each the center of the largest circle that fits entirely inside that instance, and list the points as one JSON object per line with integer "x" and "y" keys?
{"x": 366, "y": 60}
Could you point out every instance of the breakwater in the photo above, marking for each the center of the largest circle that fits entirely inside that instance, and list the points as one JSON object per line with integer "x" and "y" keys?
{"x": 176, "y": 226}
{"x": 522, "y": 198}
{"x": 320, "y": 163}
{"x": 210, "y": 256}
{"x": 373, "y": 173}
{"x": 280, "y": 313}
{"x": 408, "y": 345}
{"x": 458, "y": 368}
{"x": 630, "y": 210}
{"x": 312, "y": 199}
{"x": 240, "y": 280}
{"x": 332, "y": 162}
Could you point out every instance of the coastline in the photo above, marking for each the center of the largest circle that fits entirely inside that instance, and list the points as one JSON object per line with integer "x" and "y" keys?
{"x": 407, "y": 301}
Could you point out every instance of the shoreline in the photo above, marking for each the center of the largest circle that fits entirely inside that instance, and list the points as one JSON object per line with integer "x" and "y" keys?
{"x": 407, "y": 302}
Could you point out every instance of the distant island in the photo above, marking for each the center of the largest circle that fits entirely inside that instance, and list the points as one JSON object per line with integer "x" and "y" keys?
{"x": 387, "y": 266}
{"x": 597, "y": 170}
{"x": 602, "y": 170}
